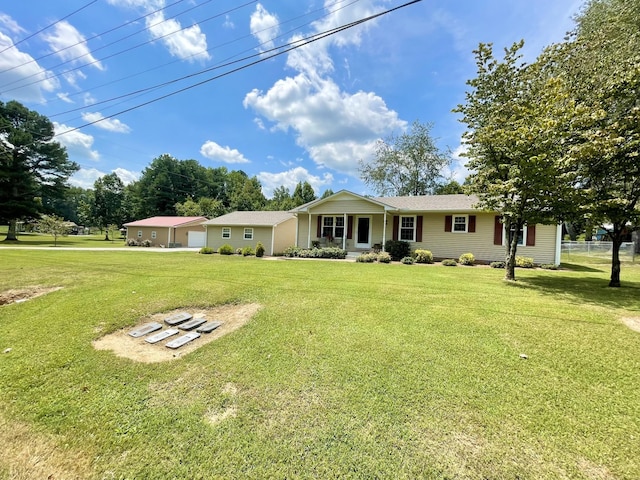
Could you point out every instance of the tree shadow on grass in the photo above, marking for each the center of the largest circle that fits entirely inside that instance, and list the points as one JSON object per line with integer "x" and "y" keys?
{"x": 586, "y": 290}
{"x": 576, "y": 267}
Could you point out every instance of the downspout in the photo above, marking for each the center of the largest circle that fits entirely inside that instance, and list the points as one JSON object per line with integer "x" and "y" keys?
{"x": 558, "y": 243}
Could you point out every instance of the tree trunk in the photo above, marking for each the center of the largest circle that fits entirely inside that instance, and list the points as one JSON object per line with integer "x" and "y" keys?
{"x": 615, "y": 259}
{"x": 512, "y": 248}
{"x": 11, "y": 233}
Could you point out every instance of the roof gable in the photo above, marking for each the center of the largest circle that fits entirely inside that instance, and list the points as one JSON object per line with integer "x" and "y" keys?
{"x": 335, "y": 197}
{"x": 250, "y": 218}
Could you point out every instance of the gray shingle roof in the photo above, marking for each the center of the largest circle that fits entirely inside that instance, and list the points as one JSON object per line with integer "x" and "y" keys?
{"x": 432, "y": 203}
{"x": 259, "y": 218}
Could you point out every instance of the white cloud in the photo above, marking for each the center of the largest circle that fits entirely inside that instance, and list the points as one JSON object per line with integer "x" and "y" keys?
{"x": 88, "y": 99}
{"x": 185, "y": 43}
{"x": 23, "y": 78}
{"x": 64, "y": 97}
{"x": 213, "y": 151}
{"x": 10, "y": 24}
{"x": 110, "y": 124}
{"x": 85, "y": 177}
{"x": 265, "y": 27}
{"x": 78, "y": 144}
{"x": 336, "y": 128}
{"x": 127, "y": 176}
{"x": 290, "y": 178}
{"x": 458, "y": 170}
{"x": 69, "y": 45}
{"x": 228, "y": 23}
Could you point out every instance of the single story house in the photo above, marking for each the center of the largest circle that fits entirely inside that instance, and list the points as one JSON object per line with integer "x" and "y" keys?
{"x": 276, "y": 230}
{"x": 168, "y": 231}
{"x": 447, "y": 225}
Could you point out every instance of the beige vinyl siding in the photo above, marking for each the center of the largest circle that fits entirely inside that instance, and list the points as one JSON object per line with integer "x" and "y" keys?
{"x": 284, "y": 236}
{"x": 346, "y": 204}
{"x": 451, "y": 244}
{"x": 303, "y": 230}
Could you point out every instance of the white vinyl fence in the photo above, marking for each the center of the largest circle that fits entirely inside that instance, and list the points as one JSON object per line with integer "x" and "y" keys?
{"x": 597, "y": 249}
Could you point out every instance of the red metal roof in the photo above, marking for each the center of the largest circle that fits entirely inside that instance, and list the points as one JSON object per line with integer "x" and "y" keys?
{"x": 165, "y": 221}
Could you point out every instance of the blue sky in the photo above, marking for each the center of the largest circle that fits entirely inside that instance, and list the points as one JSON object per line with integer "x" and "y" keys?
{"x": 307, "y": 115}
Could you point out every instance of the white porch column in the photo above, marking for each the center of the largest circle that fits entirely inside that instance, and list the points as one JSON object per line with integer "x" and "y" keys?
{"x": 309, "y": 235}
{"x": 384, "y": 229}
{"x": 344, "y": 231}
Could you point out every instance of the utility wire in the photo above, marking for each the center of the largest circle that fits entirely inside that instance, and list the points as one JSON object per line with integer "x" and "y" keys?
{"x": 117, "y": 53}
{"x": 48, "y": 26}
{"x": 292, "y": 46}
{"x": 55, "y": 52}
{"x": 215, "y": 67}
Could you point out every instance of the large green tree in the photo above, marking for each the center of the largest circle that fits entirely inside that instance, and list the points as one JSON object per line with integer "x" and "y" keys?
{"x": 406, "y": 164}
{"x": 108, "y": 194}
{"x": 601, "y": 63}
{"x": 32, "y": 165}
{"x": 518, "y": 127}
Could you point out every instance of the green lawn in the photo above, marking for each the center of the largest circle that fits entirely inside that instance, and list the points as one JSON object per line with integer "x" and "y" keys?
{"x": 349, "y": 371}
{"x": 76, "y": 241}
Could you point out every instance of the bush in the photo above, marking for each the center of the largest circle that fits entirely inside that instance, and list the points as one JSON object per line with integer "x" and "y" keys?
{"x": 206, "y": 250}
{"x": 145, "y": 243}
{"x": 524, "y": 262}
{"x": 225, "y": 249}
{"x": 467, "y": 259}
{"x": 398, "y": 249}
{"x": 367, "y": 258}
{"x": 247, "y": 251}
{"x": 423, "y": 256}
{"x": 239, "y": 251}
{"x": 327, "y": 252}
{"x": 499, "y": 264}
{"x": 549, "y": 266}
{"x": 132, "y": 242}
{"x": 384, "y": 257}
{"x": 259, "y": 250}
{"x": 407, "y": 260}
{"x": 449, "y": 262}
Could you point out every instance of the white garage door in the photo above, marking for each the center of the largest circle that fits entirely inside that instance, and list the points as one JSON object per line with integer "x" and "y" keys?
{"x": 196, "y": 239}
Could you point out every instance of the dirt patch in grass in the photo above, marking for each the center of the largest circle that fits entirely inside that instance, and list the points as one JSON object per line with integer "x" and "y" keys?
{"x": 28, "y": 455}
{"x": 123, "y": 345}
{"x": 632, "y": 322}
{"x": 18, "y": 295}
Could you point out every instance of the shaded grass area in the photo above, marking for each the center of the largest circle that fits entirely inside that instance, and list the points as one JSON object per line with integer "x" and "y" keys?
{"x": 349, "y": 371}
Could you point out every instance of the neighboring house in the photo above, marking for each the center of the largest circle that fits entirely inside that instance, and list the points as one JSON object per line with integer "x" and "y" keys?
{"x": 168, "y": 231}
{"x": 275, "y": 230}
{"x": 447, "y": 225}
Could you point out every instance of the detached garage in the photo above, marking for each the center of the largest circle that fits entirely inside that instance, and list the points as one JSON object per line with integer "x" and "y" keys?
{"x": 275, "y": 230}
{"x": 168, "y": 231}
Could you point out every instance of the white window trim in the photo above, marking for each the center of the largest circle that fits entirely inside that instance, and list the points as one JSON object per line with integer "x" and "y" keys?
{"x": 139, "y": 233}
{"x": 334, "y": 225}
{"x": 248, "y": 230}
{"x": 524, "y": 236}
{"x": 153, "y": 234}
{"x": 226, "y": 230}
{"x": 466, "y": 223}
{"x": 415, "y": 227}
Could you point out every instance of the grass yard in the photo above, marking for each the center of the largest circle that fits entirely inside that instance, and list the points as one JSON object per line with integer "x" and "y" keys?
{"x": 347, "y": 371}
{"x": 76, "y": 241}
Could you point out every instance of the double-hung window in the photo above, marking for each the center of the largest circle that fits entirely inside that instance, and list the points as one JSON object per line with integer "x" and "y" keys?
{"x": 408, "y": 229}
{"x": 248, "y": 233}
{"x": 522, "y": 235}
{"x": 333, "y": 227}
{"x": 460, "y": 223}
{"x": 226, "y": 232}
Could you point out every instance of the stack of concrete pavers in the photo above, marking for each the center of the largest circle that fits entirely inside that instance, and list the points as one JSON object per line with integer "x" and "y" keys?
{"x": 184, "y": 321}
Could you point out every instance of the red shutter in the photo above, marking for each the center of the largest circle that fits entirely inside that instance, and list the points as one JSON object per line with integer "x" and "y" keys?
{"x": 319, "y": 232}
{"x": 350, "y": 227}
{"x": 472, "y": 224}
{"x": 497, "y": 231}
{"x": 531, "y": 235}
{"x": 396, "y": 226}
{"x": 419, "y": 228}
{"x": 448, "y": 221}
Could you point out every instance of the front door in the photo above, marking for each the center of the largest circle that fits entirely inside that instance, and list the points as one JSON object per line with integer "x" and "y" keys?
{"x": 363, "y": 232}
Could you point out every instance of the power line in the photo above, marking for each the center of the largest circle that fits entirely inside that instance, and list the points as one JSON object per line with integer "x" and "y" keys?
{"x": 49, "y": 77}
{"x": 48, "y": 26}
{"x": 55, "y": 52}
{"x": 215, "y": 67}
{"x": 292, "y": 46}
